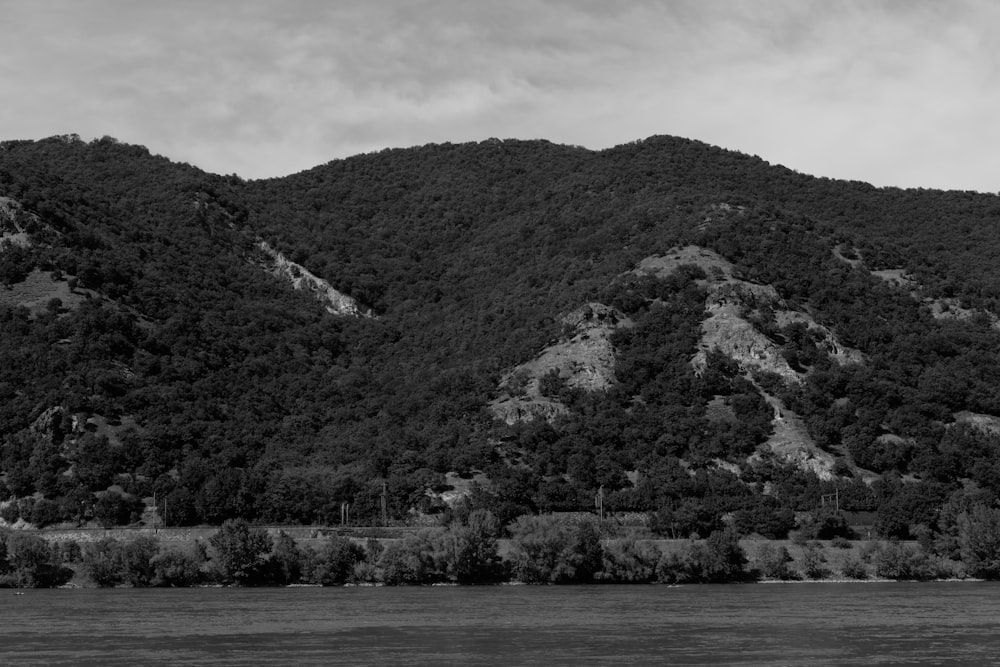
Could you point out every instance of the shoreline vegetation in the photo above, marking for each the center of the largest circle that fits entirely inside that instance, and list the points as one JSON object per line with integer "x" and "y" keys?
{"x": 477, "y": 551}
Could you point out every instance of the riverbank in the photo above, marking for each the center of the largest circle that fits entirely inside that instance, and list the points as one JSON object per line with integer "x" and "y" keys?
{"x": 535, "y": 550}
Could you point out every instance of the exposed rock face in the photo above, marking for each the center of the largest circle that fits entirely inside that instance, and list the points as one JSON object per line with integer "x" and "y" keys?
{"x": 942, "y": 308}
{"x": 512, "y": 410}
{"x": 586, "y": 360}
{"x": 727, "y": 329}
{"x": 730, "y": 304}
{"x": 715, "y": 265}
{"x": 985, "y": 423}
{"x": 14, "y": 221}
{"x": 828, "y": 341}
{"x": 791, "y": 443}
{"x": 301, "y": 278}
{"x": 50, "y": 424}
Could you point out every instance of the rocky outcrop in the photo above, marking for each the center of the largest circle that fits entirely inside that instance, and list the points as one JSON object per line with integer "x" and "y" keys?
{"x": 585, "y": 360}
{"x": 732, "y": 305}
{"x": 301, "y": 278}
{"x": 14, "y": 222}
{"x": 727, "y": 329}
{"x": 985, "y": 423}
{"x": 826, "y": 339}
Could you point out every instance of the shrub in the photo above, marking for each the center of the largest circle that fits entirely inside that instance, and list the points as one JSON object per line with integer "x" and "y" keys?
{"x": 406, "y": 562}
{"x": 468, "y": 551}
{"x": 29, "y": 563}
{"x": 772, "y": 562}
{"x": 135, "y": 558}
{"x": 896, "y": 561}
{"x": 547, "y": 550}
{"x": 853, "y": 568}
{"x": 718, "y": 559}
{"x": 45, "y": 513}
{"x": 629, "y": 562}
{"x": 100, "y": 562}
{"x": 979, "y": 541}
{"x": 335, "y": 562}
{"x": 286, "y": 562}
{"x": 841, "y": 542}
{"x": 813, "y": 562}
{"x": 178, "y": 567}
{"x": 241, "y": 551}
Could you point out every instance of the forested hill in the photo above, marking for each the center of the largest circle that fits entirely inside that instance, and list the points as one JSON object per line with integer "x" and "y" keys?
{"x": 815, "y": 335}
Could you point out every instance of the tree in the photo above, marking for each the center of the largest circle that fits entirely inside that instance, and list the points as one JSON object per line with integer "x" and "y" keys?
{"x": 29, "y": 563}
{"x": 470, "y": 550}
{"x": 979, "y": 541}
{"x": 241, "y": 551}
{"x": 772, "y": 562}
{"x": 546, "y": 549}
{"x": 101, "y": 561}
{"x": 334, "y": 564}
{"x": 178, "y": 567}
{"x": 136, "y": 560}
{"x": 628, "y": 562}
{"x": 286, "y": 560}
{"x": 718, "y": 559}
{"x": 408, "y": 561}
{"x": 113, "y": 509}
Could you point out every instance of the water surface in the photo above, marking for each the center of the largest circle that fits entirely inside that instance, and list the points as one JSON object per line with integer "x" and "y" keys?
{"x": 931, "y": 623}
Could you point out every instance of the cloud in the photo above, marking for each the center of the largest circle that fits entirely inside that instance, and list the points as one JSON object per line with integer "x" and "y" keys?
{"x": 890, "y": 92}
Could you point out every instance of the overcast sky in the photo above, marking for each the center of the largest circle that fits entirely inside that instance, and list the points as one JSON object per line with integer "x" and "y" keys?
{"x": 903, "y": 92}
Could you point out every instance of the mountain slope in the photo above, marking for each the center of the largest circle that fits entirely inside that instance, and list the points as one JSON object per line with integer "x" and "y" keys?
{"x": 177, "y": 364}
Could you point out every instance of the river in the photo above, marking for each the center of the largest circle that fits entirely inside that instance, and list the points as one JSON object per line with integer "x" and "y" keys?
{"x": 758, "y": 624}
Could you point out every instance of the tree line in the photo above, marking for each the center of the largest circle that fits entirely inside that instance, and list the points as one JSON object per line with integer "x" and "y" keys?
{"x": 538, "y": 550}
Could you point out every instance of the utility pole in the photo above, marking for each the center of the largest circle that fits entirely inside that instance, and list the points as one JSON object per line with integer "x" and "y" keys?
{"x": 385, "y": 505}
{"x": 599, "y": 502}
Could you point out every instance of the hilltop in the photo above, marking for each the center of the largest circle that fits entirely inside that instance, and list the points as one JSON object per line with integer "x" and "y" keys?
{"x": 693, "y": 333}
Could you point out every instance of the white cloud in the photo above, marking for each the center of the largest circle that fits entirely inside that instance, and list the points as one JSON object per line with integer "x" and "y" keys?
{"x": 890, "y": 92}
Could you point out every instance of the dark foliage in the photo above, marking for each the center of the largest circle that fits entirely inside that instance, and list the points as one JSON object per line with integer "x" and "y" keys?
{"x": 180, "y": 368}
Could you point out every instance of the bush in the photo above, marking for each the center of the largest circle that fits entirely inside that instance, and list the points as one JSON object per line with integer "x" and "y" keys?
{"x": 825, "y": 524}
{"x": 629, "y": 562}
{"x": 113, "y": 509}
{"x": 468, "y": 551}
{"x": 813, "y": 562}
{"x": 716, "y": 560}
{"x": 178, "y": 567}
{"x": 335, "y": 562}
{"x": 853, "y": 568}
{"x": 772, "y": 562}
{"x": 100, "y": 562}
{"x": 135, "y": 559}
{"x": 45, "y": 513}
{"x": 286, "y": 562}
{"x": 979, "y": 541}
{"x": 241, "y": 551}
{"x": 406, "y": 562}
{"x": 547, "y": 550}
{"x": 840, "y": 542}
{"x": 896, "y": 561}
{"x": 29, "y": 563}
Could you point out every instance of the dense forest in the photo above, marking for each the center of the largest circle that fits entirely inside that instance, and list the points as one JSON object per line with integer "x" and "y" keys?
{"x": 175, "y": 368}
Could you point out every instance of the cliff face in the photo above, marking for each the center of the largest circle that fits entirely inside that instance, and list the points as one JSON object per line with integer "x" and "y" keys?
{"x": 301, "y": 278}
